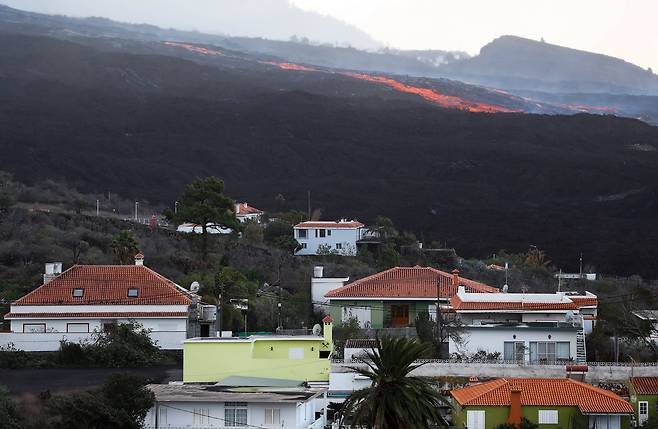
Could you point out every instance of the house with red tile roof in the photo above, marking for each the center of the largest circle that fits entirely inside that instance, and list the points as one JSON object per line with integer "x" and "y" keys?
{"x": 244, "y": 212}
{"x": 523, "y": 327}
{"x": 548, "y": 402}
{"x": 338, "y": 237}
{"x": 644, "y": 397}
{"x": 393, "y": 298}
{"x": 73, "y": 304}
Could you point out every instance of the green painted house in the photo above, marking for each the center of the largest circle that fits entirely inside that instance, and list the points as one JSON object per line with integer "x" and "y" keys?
{"x": 393, "y": 298}
{"x": 552, "y": 403}
{"x": 644, "y": 397}
{"x": 288, "y": 357}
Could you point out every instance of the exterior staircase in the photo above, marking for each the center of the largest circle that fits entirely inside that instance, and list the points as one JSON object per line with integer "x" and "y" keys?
{"x": 581, "y": 352}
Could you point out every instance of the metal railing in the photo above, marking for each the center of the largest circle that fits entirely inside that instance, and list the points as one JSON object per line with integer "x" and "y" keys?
{"x": 520, "y": 363}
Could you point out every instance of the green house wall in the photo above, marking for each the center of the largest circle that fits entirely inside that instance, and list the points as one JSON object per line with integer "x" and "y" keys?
{"x": 568, "y": 417}
{"x": 380, "y": 311}
{"x": 653, "y": 403}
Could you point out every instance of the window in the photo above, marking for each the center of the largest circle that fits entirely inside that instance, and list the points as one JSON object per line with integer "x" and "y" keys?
{"x": 302, "y": 233}
{"x": 78, "y": 292}
{"x": 328, "y": 233}
{"x": 235, "y": 414}
{"x": 303, "y": 245}
{"x": 339, "y": 245}
{"x": 562, "y": 350}
{"x": 77, "y": 327}
{"x": 34, "y": 328}
{"x": 548, "y": 417}
{"x": 133, "y": 292}
{"x": 642, "y": 412}
{"x": 322, "y": 232}
{"x": 272, "y": 416}
{"x": 324, "y": 354}
{"x": 514, "y": 351}
{"x": 542, "y": 351}
{"x": 295, "y": 353}
{"x": 475, "y": 419}
{"x": 201, "y": 416}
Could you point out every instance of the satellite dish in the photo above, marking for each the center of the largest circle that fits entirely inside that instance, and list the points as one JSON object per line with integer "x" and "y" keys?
{"x": 317, "y": 329}
{"x": 505, "y": 288}
{"x": 194, "y": 287}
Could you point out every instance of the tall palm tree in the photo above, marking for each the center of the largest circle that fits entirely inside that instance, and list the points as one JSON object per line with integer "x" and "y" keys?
{"x": 395, "y": 399}
{"x": 124, "y": 247}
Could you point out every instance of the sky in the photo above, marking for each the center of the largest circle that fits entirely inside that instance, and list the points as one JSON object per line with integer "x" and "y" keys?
{"x": 626, "y": 29}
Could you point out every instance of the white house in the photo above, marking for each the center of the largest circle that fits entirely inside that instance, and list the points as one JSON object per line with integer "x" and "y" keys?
{"x": 337, "y": 237}
{"x": 244, "y": 212}
{"x": 73, "y": 304}
{"x": 531, "y": 327}
{"x": 321, "y": 285}
{"x": 212, "y": 406}
{"x": 189, "y": 228}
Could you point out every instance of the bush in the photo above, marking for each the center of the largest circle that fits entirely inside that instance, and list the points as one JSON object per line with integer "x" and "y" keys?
{"x": 525, "y": 424}
{"x": 124, "y": 345}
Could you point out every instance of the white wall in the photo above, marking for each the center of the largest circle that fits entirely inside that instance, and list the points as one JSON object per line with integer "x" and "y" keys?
{"x": 95, "y": 308}
{"x": 348, "y": 381}
{"x": 346, "y": 236}
{"x": 169, "y": 333}
{"x": 492, "y": 339}
{"x": 320, "y": 286}
{"x": 299, "y": 415}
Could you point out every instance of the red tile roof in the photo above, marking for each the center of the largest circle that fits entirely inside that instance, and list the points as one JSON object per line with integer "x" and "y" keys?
{"x": 332, "y": 225}
{"x": 97, "y": 314}
{"x": 584, "y": 301}
{"x": 107, "y": 285}
{"x": 645, "y": 385}
{"x": 460, "y": 305}
{"x": 244, "y": 209}
{"x": 553, "y": 392}
{"x": 407, "y": 282}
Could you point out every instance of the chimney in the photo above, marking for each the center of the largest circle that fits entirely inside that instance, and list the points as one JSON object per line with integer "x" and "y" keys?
{"x": 514, "y": 417}
{"x": 318, "y": 272}
{"x": 51, "y": 270}
{"x": 139, "y": 259}
{"x": 473, "y": 380}
{"x": 455, "y": 277}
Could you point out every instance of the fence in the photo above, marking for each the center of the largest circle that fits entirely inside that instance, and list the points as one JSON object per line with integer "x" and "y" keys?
{"x": 596, "y": 371}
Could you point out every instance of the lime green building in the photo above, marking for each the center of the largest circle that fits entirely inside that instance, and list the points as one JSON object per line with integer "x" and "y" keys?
{"x": 288, "y": 357}
{"x": 552, "y": 403}
{"x": 644, "y": 397}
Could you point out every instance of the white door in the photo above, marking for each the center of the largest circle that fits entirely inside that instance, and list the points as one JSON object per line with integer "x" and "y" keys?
{"x": 475, "y": 419}
{"x": 642, "y": 412}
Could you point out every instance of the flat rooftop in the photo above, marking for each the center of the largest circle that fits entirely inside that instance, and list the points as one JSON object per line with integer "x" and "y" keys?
{"x": 252, "y": 338}
{"x": 214, "y": 393}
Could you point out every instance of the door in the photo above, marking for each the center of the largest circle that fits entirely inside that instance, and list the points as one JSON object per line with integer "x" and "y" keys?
{"x": 399, "y": 315}
{"x": 205, "y": 331}
{"x": 475, "y": 419}
{"x": 642, "y": 412}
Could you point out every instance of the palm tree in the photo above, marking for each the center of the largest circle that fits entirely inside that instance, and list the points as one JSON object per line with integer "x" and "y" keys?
{"x": 395, "y": 399}
{"x": 124, "y": 246}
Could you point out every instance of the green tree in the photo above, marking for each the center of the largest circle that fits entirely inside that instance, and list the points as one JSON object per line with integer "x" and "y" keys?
{"x": 395, "y": 399}
{"x": 280, "y": 234}
{"x": 122, "y": 402}
{"x": 204, "y": 203}
{"x": 385, "y": 227}
{"x": 10, "y": 418}
{"x": 389, "y": 257}
{"x": 525, "y": 424}
{"x": 124, "y": 248}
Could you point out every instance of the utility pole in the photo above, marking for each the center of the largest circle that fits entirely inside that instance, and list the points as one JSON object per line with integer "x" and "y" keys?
{"x": 581, "y": 265}
{"x": 438, "y": 317}
{"x": 175, "y": 207}
{"x": 309, "y": 204}
{"x": 278, "y": 304}
{"x": 98, "y": 207}
{"x": 136, "y": 207}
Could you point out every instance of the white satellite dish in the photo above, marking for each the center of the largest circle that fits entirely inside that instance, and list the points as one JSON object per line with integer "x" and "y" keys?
{"x": 194, "y": 287}
{"x": 317, "y": 329}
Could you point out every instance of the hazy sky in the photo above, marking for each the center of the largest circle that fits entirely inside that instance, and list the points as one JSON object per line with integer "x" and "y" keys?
{"x": 627, "y": 29}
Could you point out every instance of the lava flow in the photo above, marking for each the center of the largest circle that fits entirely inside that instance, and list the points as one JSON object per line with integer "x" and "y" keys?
{"x": 447, "y": 101}
{"x": 195, "y": 49}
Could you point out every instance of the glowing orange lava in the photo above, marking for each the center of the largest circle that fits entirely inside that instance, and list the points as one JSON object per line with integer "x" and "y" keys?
{"x": 290, "y": 66}
{"x": 195, "y": 49}
{"x": 447, "y": 101}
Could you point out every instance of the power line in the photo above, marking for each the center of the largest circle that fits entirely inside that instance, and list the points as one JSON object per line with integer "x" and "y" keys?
{"x": 208, "y": 415}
